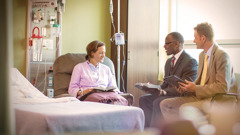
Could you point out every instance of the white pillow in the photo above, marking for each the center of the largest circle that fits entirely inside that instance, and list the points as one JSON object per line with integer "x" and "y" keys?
{"x": 22, "y": 88}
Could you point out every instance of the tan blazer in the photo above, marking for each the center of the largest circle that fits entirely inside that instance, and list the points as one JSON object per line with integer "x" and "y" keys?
{"x": 218, "y": 76}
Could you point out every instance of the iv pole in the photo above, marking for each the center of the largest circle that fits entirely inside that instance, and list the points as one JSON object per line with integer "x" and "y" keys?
{"x": 118, "y": 44}
{"x": 118, "y": 49}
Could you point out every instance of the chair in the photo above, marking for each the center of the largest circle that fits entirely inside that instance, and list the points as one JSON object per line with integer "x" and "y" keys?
{"x": 233, "y": 94}
{"x": 225, "y": 108}
{"x": 62, "y": 71}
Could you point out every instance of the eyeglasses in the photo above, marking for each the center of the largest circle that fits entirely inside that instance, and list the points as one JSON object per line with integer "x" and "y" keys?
{"x": 169, "y": 42}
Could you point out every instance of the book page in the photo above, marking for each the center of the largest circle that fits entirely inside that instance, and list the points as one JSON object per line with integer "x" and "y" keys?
{"x": 110, "y": 88}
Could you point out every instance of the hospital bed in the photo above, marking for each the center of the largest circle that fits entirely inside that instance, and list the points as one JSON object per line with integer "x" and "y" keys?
{"x": 36, "y": 113}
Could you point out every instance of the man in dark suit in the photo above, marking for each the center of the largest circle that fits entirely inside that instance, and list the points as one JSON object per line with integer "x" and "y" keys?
{"x": 180, "y": 64}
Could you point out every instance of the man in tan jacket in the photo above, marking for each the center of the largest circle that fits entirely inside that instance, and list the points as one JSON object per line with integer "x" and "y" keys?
{"x": 213, "y": 75}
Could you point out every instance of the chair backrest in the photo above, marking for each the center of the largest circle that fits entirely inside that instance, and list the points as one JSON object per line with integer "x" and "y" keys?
{"x": 63, "y": 67}
{"x": 235, "y": 83}
{"x": 237, "y": 79}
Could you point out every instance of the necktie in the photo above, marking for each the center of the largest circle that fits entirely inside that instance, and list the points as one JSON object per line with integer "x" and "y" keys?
{"x": 204, "y": 72}
{"x": 172, "y": 62}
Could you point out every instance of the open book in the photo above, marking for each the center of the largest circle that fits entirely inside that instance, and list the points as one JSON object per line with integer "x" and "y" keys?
{"x": 104, "y": 89}
{"x": 147, "y": 87}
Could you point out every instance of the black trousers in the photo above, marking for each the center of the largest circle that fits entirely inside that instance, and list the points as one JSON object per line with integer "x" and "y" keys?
{"x": 150, "y": 104}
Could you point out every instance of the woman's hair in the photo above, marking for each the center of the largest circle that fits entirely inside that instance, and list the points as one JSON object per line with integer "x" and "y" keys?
{"x": 206, "y": 30}
{"x": 93, "y": 47}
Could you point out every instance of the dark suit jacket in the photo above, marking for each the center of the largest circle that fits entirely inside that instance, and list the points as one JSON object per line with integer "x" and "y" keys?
{"x": 218, "y": 77}
{"x": 185, "y": 68}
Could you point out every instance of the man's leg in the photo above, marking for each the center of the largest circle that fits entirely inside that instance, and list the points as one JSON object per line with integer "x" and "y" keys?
{"x": 170, "y": 107}
{"x": 146, "y": 103}
{"x": 157, "y": 117}
{"x": 201, "y": 105}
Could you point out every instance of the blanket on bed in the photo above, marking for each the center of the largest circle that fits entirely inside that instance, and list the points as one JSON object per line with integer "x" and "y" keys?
{"x": 36, "y": 113}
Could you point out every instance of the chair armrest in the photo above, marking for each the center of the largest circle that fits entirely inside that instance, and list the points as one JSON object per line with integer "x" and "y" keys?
{"x": 129, "y": 98}
{"x": 225, "y": 97}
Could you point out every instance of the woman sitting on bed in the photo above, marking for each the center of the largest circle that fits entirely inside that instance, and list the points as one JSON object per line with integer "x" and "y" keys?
{"x": 91, "y": 74}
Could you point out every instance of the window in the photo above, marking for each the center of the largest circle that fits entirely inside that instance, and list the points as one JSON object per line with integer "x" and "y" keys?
{"x": 224, "y": 15}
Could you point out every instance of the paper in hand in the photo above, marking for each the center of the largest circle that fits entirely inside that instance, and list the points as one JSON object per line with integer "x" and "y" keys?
{"x": 148, "y": 87}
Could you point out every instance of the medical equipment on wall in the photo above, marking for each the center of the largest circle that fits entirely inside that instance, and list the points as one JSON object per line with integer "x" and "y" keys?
{"x": 36, "y": 41}
{"x": 46, "y": 3}
{"x": 50, "y": 93}
{"x": 44, "y": 41}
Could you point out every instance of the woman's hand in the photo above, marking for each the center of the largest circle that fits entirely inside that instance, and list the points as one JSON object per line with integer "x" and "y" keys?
{"x": 82, "y": 92}
{"x": 117, "y": 91}
{"x": 87, "y": 91}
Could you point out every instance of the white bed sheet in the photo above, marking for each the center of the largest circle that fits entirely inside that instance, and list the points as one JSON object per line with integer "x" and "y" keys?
{"x": 76, "y": 116}
{"x": 37, "y": 114}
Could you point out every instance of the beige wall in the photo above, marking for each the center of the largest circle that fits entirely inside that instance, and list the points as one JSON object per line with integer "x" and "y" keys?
{"x": 83, "y": 21}
{"x": 19, "y": 34}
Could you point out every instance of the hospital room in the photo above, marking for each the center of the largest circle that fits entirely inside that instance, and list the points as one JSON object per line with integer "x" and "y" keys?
{"x": 113, "y": 67}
